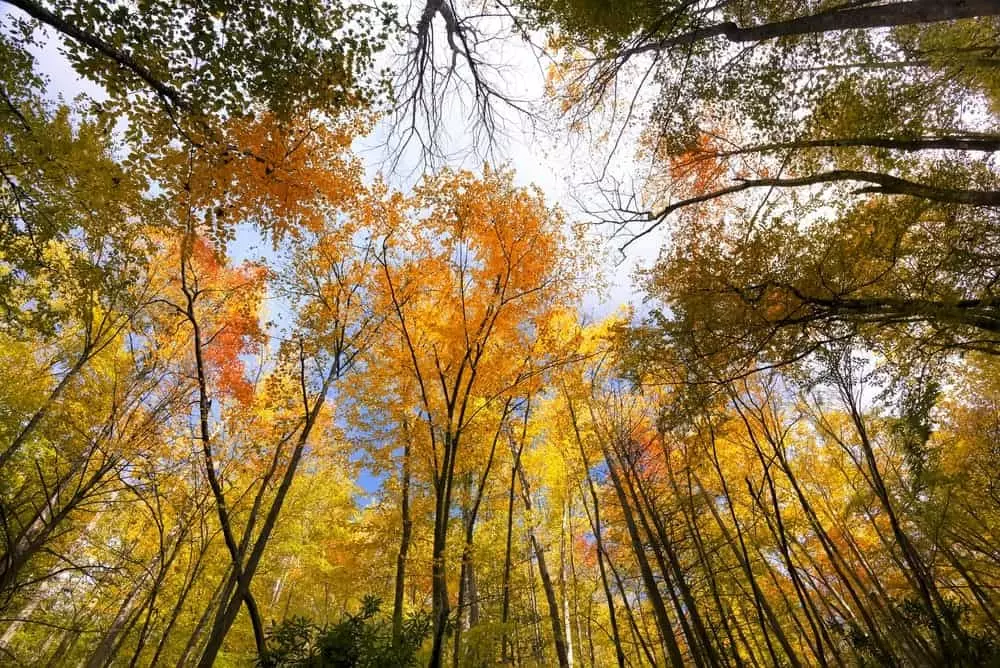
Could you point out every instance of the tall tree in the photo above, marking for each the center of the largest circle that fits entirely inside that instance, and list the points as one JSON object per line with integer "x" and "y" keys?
{"x": 470, "y": 286}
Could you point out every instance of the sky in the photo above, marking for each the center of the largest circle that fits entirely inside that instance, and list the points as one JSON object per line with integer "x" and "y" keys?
{"x": 538, "y": 148}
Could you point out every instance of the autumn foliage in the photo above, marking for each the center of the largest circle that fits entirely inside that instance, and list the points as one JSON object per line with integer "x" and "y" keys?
{"x": 264, "y": 404}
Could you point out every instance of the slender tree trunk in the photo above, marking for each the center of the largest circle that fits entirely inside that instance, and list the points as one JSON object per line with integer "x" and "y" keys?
{"x": 215, "y": 600}
{"x": 505, "y": 654}
{"x": 154, "y": 591}
{"x": 563, "y": 590}
{"x": 559, "y": 639}
{"x": 462, "y": 617}
{"x": 981, "y": 597}
{"x": 227, "y": 612}
{"x": 175, "y": 612}
{"x": 926, "y": 587}
{"x": 441, "y": 607}
{"x": 820, "y": 639}
{"x": 404, "y": 540}
{"x": 102, "y": 654}
{"x": 638, "y": 635}
{"x": 656, "y": 546}
{"x": 705, "y": 562}
{"x": 571, "y": 604}
{"x": 673, "y": 563}
{"x": 842, "y": 568}
{"x": 777, "y": 529}
{"x": 652, "y": 588}
{"x": 537, "y": 645}
{"x": 66, "y": 643}
{"x": 205, "y": 438}
{"x": 595, "y": 525}
{"x": 765, "y": 613}
{"x": 468, "y": 605}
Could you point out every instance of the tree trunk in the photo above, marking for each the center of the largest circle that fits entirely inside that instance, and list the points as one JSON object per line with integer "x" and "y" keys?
{"x": 672, "y": 569}
{"x": 175, "y": 612}
{"x": 205, "y": 437}
{"x": 227, "y": 612}
{"x": 562, "y": 654}
{"x": 595, "y": 525}
{"x": 765, "y": 613}
{"x": 553, "y": 604}
{"x": 404, "y": 540}
{"x": 215, "y": 600}
{"x": 102, "y": 654}
{"x": 639, "y": 637}
{"x": 505, "y": 654}
{"x": 944, "y": 633}
{"x": 858, "y": 17}
{"x": 652, "y": 589}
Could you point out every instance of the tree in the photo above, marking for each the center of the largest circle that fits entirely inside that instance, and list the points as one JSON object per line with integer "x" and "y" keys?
{"x": 912, "y": 279}
{"x": 329, "y": 280}
{"x": 470, "y": 287}
{"x": 813, "y": 95}
{"x": 184, "y": 68}
{"x": 240, "y": 373}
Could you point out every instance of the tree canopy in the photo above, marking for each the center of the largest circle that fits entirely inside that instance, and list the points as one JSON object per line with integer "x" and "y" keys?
{"x": 264, "y": 404}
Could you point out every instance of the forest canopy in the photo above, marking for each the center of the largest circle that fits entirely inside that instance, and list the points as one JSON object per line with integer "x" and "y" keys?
{"x": 268, "y": 400}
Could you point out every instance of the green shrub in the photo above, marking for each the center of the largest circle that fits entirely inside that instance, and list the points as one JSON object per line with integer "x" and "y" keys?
{"x": 362, "y": 640}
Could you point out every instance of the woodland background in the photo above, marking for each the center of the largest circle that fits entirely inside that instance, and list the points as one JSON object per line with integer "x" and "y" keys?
{"x": 268, "y": 400}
